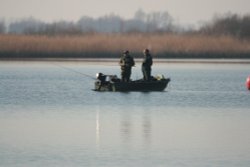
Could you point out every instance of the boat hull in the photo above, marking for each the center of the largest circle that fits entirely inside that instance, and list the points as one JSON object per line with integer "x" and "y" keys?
{"x": 138, "y": 85}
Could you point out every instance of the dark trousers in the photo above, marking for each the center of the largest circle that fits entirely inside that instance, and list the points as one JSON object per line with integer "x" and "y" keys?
{"x": 146, "y": 71}
{"x": 125, "y": 74}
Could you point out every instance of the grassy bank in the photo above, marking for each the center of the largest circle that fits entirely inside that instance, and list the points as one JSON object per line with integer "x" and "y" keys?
{"x": 112, "y": 45}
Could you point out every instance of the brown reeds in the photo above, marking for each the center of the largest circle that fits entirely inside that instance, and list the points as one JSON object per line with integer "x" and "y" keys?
{"x": 96, "y": 44}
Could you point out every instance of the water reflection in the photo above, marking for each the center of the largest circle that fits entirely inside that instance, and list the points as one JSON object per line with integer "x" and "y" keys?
{"x": 136, "y": 127}
{"x": 147, "y": 129}
{"x": 97, "y": 129}
{"x": 130, "y": 127}
{"x": 126, "y": 127}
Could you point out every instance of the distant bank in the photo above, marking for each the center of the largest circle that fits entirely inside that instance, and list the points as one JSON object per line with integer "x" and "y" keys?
{"x": 116, "y": 60}
{"x": 172, "y": 47}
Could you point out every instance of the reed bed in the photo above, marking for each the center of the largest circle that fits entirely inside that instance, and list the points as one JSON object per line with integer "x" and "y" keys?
{"x": 112, "y": 45}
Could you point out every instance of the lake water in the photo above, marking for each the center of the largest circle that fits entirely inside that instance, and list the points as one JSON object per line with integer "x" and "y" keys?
{"x": 49, "y": 116}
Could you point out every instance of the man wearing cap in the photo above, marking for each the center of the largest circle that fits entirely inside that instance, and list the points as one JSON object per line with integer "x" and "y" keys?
{"x": 126, "y": 63}
{"x": 146, "y": 65}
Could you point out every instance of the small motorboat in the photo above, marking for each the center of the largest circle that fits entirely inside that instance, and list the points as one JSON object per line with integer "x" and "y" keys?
{"x": 113, "y": 83}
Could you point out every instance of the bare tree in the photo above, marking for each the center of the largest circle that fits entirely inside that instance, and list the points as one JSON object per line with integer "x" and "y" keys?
{"x": 2, "y": 27}
{"x": 142, "y": 22}
{"x": 230, "y": 24}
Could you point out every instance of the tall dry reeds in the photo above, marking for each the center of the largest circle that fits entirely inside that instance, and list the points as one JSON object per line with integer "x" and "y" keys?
{"x": 116, "y": 43}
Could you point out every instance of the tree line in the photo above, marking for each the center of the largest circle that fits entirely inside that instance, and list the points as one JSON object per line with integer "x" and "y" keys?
{"x": 142, "y": 22}
{"x": 155, "y": 22}
{"x": 229, "y": 24}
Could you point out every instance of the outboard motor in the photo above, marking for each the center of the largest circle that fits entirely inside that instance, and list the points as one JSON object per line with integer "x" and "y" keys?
{"x": 101, "y": 77}
{"x": 101, "y": 81}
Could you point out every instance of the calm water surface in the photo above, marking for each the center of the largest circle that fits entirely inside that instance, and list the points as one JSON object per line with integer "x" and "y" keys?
{"x": 49, "y": 116}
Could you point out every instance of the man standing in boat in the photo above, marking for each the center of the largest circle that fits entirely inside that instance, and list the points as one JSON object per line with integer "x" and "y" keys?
{"x": 126, "y": 63}
{"x": 146, "y": 65}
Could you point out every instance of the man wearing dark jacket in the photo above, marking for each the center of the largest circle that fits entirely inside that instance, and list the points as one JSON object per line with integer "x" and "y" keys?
{"x": 126, "y": 63}
{"x": 146, "y": 65}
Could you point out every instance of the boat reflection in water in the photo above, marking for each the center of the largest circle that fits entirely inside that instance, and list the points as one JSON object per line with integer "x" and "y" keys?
{"x": 125, "y": 128}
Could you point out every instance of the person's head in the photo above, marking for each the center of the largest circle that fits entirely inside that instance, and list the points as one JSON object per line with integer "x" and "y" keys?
{"x": 126, "y": 52}
{"x": 146, "y": 51}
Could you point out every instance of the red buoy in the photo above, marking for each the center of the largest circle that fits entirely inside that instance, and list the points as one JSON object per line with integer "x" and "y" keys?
{"x": 248, "y": 83}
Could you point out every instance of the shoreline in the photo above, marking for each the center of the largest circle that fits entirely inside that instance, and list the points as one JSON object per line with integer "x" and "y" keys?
{"x": 114, "y": 60}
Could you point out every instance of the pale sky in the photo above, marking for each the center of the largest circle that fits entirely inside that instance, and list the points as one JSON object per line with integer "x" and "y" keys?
{"x": 183, "y": 11}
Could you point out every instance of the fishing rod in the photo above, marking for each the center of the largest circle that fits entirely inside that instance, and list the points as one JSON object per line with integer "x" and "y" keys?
{"x": 70, "y": 69}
